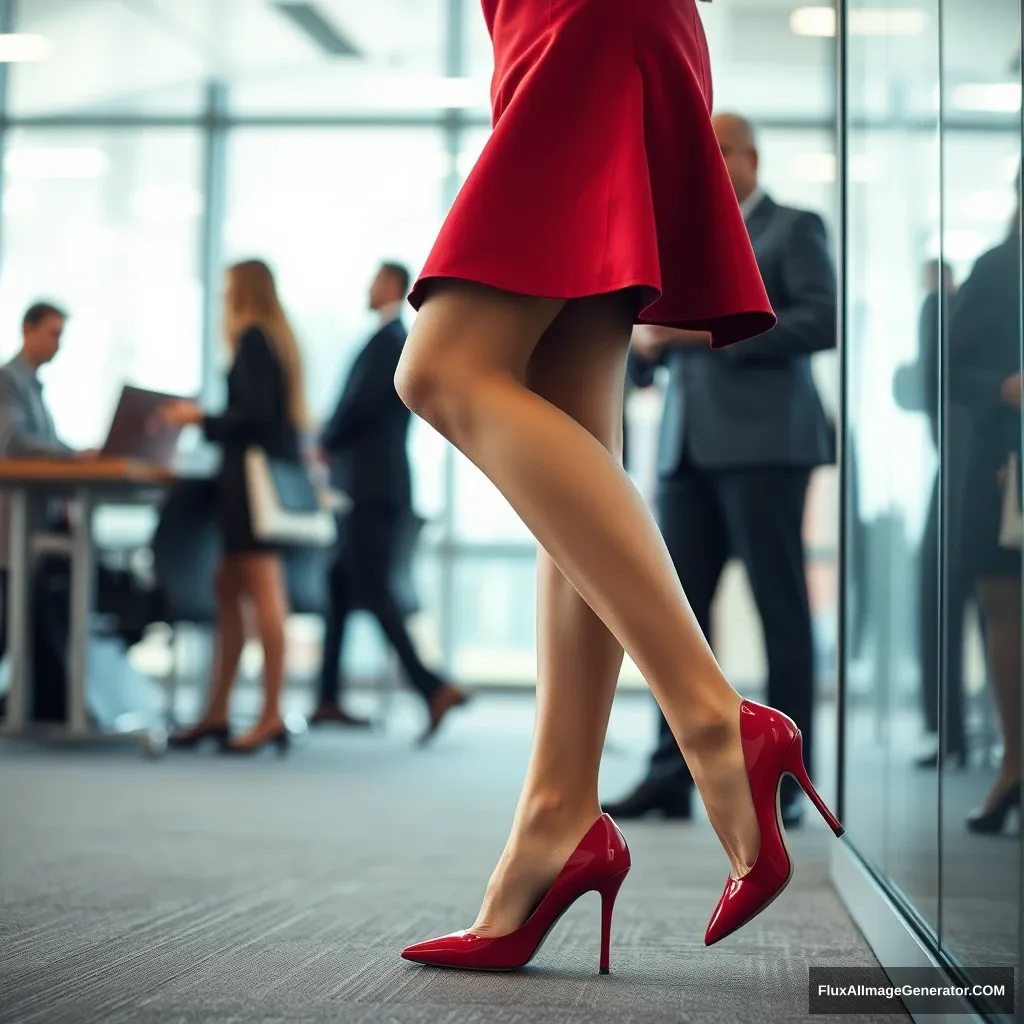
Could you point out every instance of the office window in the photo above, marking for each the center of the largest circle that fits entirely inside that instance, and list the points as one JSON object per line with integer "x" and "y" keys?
{"x": 106, "y": 223}
{"x": 137, "y": 58}
{"x": 381, "y": 59}
{"x": 324, "y": 207}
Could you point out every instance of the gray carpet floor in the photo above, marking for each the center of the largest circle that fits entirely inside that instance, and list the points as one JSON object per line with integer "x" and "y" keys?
{"x": 195, "y": 889}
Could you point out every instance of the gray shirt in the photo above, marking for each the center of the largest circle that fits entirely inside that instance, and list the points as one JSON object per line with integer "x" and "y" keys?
{"x": 26, "y": 429}
{"x": 26, "y": 426}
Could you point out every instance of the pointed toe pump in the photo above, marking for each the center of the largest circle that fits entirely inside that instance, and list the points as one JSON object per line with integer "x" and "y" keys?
{"x": 599, "y": 864}
{"x": 772, "y": 748}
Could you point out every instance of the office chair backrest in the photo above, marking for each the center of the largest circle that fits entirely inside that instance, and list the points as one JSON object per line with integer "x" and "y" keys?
{"x": 186, "y": 548}
{"x": 306, "y": 571}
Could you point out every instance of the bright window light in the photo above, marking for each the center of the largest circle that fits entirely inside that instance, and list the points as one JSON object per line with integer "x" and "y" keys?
{"x": 56, "y": 162}
{"x": 989, "y": 206}
{"x": 813, "y": 21}
{"x": 821, "y": 21}
{"x": 429, "y": 93}
{"x": 166, "y": 204}
{"x": 819, "y": 168}
{"x": 988, "y": 97}
{"x": 16, "y": 47}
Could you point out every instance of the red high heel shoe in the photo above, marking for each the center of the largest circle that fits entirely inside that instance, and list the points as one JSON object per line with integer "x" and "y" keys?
{"x": 599, "y": 864}
{"x": 772, "y": 748}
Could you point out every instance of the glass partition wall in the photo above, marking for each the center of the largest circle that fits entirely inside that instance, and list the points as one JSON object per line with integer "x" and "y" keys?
{"x": 931, "y": 662}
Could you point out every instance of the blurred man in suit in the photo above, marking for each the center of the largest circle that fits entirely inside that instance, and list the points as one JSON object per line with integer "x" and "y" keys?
{"x": 364, "y": 444}
{"x": 741, "y": 431}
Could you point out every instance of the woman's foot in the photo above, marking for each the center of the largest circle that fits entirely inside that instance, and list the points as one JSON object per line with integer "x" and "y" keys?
{"x": 716, "y": 760}
{"x": 266, "y": 730}
{"x": 1007, "y": 782}
{"x": 207, "y": 728}
{"x": 544, "y": 836}
{"x": 1002, "y": 801}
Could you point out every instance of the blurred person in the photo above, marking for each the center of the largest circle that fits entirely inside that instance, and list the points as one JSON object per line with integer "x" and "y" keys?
{"x": 741, "y": 431}
{"x": 26, "y": 426}
{"x": 916, "y": 389}
{"x": 26, "y": 430}
{"x": 601, "y": 200}
{"x": 364, "y": 445}
{"x": 985, "y": 378}
{"x": 266, "y": 407}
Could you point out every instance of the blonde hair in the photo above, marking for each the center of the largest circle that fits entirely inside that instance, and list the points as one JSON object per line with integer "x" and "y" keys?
{"x": 253, "y": 302}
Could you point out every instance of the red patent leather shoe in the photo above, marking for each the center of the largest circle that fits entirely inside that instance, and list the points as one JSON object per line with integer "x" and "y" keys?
{"x": 772, "y": 748}
{"x": 599, "y": 864}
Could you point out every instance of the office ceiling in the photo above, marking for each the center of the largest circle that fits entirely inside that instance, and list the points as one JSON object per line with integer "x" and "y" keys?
{"x": 152, "y": 55}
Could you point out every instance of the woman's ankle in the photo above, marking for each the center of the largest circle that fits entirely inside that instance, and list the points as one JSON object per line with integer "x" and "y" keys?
{"x": 551, "y": 811}
{"x": 711, "y": 729}
{"x": 213, "y": 719}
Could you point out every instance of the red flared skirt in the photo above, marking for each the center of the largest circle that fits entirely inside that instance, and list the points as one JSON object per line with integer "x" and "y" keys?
{"x": 603, "y": 171}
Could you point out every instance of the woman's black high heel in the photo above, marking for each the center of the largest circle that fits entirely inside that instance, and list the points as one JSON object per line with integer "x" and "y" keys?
{"x": 281, "y": 740}
{"x": 992, "y": 822}
{"x": 189, "y": 739}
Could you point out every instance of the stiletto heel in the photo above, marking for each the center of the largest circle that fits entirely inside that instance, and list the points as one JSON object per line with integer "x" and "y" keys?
{"x": 608, "y": 894}
{"x": 599, "y": 864}
{"x": 794, "y": 765}
{"x": 772, "y": 748}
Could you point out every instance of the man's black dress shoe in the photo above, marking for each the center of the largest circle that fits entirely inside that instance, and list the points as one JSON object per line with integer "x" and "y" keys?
{"x": 656, "y": 799}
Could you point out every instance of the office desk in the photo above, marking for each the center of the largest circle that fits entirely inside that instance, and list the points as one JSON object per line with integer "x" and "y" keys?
{"x": 83, "y": 484}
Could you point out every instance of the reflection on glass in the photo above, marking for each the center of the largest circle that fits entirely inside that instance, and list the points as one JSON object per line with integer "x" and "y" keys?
{"x": 981, "y": 852}
{"x": 892, "y": 368}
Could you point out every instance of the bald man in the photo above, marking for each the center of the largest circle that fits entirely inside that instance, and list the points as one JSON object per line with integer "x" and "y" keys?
{"x": 741, "y": 431}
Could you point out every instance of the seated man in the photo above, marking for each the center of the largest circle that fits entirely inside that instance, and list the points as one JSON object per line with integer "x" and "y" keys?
{"x": 26, "y": 427}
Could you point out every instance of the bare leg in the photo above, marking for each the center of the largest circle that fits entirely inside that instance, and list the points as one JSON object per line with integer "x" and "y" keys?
{"x": 1000, "y": 599}
{"x": 229, "y": 640}
{"x": 263, "y": 579}
{"x": 578, "y": 658}
{"x": 463, "y": 370}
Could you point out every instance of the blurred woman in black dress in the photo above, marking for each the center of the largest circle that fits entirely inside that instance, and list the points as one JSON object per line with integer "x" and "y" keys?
{"x": 266, "y": 409}
{"x": 985, "y": 378}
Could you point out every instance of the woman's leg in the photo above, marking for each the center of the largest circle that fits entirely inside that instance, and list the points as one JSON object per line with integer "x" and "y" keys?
{"x": 229, "y": 641}
{"x": 263, "y": 580}
{"x": 1000, "y": 600}
{"x": 464, "y": 370}
{"x": 578, "y": 659}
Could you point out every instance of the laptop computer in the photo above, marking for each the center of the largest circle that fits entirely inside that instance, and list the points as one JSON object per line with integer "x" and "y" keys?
{"x": 136, "y": 432}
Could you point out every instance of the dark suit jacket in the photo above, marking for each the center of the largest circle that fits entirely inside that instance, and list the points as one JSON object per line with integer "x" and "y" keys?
{"x": 365, "y": 439}
{"x": 984, "y": 348}
{"x": 755, "y": 403}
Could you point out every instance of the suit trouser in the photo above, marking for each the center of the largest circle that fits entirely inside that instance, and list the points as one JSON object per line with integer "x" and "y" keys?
{"x": 360, "y": 578}
{"x": 755, "y": 514}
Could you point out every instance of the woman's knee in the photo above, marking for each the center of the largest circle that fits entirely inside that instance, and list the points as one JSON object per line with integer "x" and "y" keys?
{"x": 432, "y": 387}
